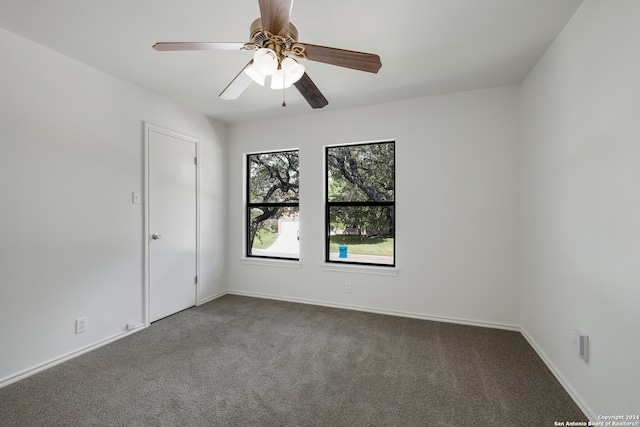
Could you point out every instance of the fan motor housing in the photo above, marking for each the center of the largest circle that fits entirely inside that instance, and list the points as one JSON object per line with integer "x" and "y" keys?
{"x": 260, "y": 36}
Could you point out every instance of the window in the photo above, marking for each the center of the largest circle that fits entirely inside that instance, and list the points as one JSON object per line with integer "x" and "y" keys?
{"x": 272, "y": 205}
{"x": 360, "y": 204}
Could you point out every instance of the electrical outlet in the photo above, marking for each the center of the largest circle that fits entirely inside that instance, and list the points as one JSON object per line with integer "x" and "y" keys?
{"x": 81, "y": 325}
{"x": 348, "y": 288}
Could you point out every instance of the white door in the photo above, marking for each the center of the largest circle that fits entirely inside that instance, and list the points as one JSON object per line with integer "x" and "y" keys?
{"x": 172, "y": 223}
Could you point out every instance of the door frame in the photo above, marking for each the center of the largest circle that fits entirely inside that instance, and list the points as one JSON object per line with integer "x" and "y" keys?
{"x": 150, "y": 127}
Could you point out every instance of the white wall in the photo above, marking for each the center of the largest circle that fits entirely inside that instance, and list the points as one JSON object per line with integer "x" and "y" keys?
{"x": 545, "y": 235}
{"x": 71, "y": 245}
{"x": 580, "y": 228}
{"x": 457, "y": 207}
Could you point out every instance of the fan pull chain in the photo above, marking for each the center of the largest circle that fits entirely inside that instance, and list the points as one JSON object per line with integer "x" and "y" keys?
{"x": 284, "y": 102}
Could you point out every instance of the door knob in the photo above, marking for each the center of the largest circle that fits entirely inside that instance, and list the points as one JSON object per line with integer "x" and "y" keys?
{"x": 156, "y": 236}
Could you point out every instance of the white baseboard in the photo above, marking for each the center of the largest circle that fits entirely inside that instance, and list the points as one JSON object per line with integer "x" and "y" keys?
{"x": 561, "y": 379}
{"x": 556, "y": 373}
{"x": 211, "y": 298}
{"x": 39, "y": 368}
{"x": 381, "y": 311}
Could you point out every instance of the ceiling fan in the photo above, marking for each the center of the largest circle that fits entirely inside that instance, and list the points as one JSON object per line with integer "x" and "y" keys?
{"x": 277, "y": 52}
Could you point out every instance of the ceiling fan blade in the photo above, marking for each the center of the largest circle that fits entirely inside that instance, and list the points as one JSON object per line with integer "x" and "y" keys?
{"x": 237, "y": 85}
{"x": 167, "y": 46}
{"x": 275, "y": 16}
{"x": 310, "y": 92}
{"x": 343, "y": 58}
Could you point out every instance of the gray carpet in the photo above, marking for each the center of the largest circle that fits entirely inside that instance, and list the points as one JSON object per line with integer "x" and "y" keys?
{"x": 241, "y": 361}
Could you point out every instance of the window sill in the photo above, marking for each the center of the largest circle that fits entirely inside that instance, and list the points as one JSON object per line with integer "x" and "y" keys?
{"x": 285, "y": 263}
{"x": 360, "y": 269}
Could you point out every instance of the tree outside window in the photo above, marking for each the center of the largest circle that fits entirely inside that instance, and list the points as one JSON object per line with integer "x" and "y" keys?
{"x": 360, "y": 204}
{"x": 273, "y": 212}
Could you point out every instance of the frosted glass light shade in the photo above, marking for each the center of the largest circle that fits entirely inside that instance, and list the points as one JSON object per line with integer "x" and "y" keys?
{"x": 265, "y": 61}
{"x": 279, "y": 81}
{"x": 292, "y": 69}
{"x": 289, "y": 73}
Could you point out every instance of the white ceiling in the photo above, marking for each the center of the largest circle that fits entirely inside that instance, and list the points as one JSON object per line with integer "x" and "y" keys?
{"x": 427, "y": 47}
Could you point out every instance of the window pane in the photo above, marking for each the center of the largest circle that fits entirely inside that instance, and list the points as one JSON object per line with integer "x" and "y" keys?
{"x": 273, "y": 177}
{"x": 362, "y": 234}
{"x": 274, "y": 232}
{"x": 360, "y": 173}
{"x": 272, "y": 210}
{"x": 361, "y": 203}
